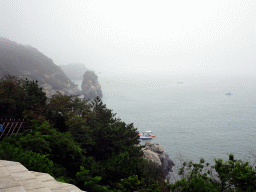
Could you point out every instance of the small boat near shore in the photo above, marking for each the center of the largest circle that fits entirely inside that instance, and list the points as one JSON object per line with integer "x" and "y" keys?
{"x": 146, "y": 135}
{"x": 145, "y": 138}
{"x": 149, "y": 133}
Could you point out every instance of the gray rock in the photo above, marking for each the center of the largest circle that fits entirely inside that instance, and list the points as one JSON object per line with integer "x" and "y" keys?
{"x": 150, "y": 155}
{"x": 90, "y": 85}
{"x": 72, "y": 89}
{"x": 69, "y": 90}
{"x": 155, "y": 152}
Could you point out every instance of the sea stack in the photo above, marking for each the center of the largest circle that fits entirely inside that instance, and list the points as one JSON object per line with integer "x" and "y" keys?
{"x": 90, "y": 85}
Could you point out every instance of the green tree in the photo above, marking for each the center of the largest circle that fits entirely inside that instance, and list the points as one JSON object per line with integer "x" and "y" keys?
{"x": 19, "y": 95}
{"x": 149, "y": 171}
{"x": 111, "y": 135}
{"x": 59, "y": 147}
{"x": 115, "y": 150}
{"x": 90, "y": 183}
{"x": 233, "y": 175}
{"x": 61, "y": 107}
{"x": 31, "y": 160}
{"x": 132, "y": 183}
{"x": 236, "y": 173}
{"x": 13, "y": 96}
{"x": 35, "y": 97}
{"x": 80, "y": 132}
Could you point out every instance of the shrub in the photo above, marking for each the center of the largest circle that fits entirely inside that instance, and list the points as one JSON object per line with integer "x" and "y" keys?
{"x": 32, "y": 161}
{"x": 233, "y": 175}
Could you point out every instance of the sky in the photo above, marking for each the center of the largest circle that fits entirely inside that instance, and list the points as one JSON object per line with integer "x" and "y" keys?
{"x": 141, "y": 37}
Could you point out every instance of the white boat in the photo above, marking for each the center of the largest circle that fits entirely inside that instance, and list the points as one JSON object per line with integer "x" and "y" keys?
{"x": 146, "y": 136}
{"x": 148, "y": 133}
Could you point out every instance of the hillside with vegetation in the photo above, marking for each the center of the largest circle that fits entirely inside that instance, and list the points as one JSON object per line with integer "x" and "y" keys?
{"x": 83, "y": 144}
{"x": 25, "y": 61}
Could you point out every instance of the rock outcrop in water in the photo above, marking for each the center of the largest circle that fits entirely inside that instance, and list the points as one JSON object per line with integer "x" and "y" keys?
{"x": 27, "y": 62}
{"x": 90, "y": 85}
{"x": 155, "y": 152}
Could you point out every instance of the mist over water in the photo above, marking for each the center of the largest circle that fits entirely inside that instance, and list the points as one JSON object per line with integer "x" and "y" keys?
{"x": 191, "y": 115}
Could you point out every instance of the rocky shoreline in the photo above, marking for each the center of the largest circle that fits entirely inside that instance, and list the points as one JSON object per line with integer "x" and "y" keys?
{"x": 155, "y": 152}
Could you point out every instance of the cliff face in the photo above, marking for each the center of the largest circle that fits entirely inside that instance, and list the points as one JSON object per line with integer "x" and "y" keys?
{"x": 90, "y": 85}
{"x": 155, "y": 152}
{"x": 74, "y": 71}
{"x": 27, "y": 62}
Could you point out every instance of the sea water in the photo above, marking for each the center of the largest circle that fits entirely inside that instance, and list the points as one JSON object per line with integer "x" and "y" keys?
{"x": 190, "y": 115}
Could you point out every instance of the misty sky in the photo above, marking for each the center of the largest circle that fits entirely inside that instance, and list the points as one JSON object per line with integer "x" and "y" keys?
{"x": 138, "y": 36}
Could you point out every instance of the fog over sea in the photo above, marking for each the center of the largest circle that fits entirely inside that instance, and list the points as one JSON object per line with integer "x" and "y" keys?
{"x": 188, "y": 114}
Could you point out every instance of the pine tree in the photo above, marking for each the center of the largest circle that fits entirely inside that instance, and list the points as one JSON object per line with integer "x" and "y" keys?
{"x": 12, "y": 97}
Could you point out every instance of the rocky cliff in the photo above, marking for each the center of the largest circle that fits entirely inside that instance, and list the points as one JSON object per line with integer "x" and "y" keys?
{"x": 155, "y": 152}
{"x": 27, "y": 62}
{"x": 74, "y": 71}
{"x": 90, "y": 85}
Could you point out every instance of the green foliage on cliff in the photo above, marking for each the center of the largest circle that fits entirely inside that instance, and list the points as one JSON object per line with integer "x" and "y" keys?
{"x": 18, "y": 95}
{"x": 233, "y": 175}
{"x": 27, "y": 62}
{"x": 76, "y": 142}
{"x": 12, "y": 98}
{"x": 83, "y": 144}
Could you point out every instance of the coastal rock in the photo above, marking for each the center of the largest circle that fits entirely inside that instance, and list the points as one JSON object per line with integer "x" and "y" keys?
{"x": 24, "y": 61}
{"x": 150, "y": 155}
{"x": 68, "y": 90}
{"x": 90, "y": 85}
{"x": 72, "y": 89}
{"x": 155, "y": 152}
{"x": 155, "y": 147}
{"x": 74, "y": 71}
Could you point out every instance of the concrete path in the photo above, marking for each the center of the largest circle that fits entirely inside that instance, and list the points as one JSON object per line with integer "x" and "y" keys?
{"x": 14, "y": 177}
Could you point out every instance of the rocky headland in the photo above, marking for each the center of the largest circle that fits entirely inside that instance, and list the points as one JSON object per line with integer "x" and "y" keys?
{"x": 24, "y": 61}
{"x": 74, "y": 71}
{"x": 90, "y": 85}
{"x": 155, "y": 152}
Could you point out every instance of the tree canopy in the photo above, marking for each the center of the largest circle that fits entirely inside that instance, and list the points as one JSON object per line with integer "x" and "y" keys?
{"x": 84, "y": 144}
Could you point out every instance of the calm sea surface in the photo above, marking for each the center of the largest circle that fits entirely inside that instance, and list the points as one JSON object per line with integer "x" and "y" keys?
{"x": 189, "y": 115}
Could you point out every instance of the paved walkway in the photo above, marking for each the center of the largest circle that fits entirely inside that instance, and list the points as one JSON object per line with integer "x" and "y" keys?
{"x": 14, "y": 177}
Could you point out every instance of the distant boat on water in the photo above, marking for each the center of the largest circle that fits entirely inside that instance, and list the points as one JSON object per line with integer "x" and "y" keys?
{"x": 228, "y": 93}
{"x": 146, "y": 136}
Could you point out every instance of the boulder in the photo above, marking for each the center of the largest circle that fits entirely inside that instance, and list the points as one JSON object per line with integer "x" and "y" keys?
{"x": 150, "y": 155}
{"x": 155, "y": 152}
{"x": 90, "y": 85}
